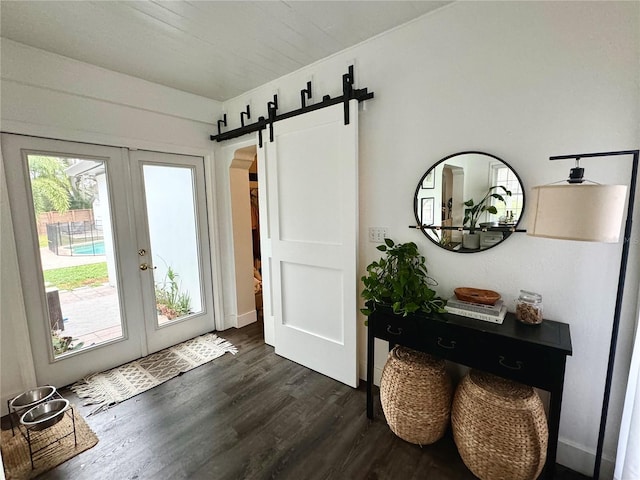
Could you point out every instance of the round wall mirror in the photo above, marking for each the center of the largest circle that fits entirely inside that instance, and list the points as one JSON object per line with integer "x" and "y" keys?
{"x": 469, "y": 202}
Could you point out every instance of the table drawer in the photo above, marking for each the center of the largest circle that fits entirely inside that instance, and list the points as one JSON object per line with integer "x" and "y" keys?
{"x": 526, "y": 365}
{"x": 437, "y": 338}
{"x": 453, "y": 344}
{"x": 396, "y": 329}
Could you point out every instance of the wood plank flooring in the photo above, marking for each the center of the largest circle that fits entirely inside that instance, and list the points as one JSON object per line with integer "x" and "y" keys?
{"x": 255, "y": 416}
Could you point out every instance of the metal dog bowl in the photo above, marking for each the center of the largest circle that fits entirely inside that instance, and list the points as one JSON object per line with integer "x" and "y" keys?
{"x": 45, "y": 415}
{"x": 32, "y": 397}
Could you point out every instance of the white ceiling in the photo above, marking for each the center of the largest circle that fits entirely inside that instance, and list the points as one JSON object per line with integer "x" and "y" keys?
{"x": 215, "y": 49}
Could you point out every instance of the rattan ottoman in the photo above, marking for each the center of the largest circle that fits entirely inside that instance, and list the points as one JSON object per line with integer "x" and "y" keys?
{"x": 416, "y": 392}
{"x": 499, "y": 427}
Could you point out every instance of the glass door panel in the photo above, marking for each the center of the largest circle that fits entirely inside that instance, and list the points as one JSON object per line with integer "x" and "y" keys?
{"x": 173, "y": 237}
{"x": 70, "y": 198}
{"x": 173, "y": 246}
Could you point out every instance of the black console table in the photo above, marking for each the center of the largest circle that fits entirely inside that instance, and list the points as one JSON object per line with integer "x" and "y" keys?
{"x": 531, "y": 354}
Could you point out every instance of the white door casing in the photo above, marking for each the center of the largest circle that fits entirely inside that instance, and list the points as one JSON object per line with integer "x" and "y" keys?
{"x": 309, "y": 246}
{"x": 226, "y": 228}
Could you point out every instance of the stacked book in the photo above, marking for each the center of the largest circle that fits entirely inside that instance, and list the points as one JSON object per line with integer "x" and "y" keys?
{"x": 489, "y": 313}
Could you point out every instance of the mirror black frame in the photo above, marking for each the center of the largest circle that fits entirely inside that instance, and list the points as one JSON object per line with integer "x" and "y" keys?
{"x": 508, "y": 231}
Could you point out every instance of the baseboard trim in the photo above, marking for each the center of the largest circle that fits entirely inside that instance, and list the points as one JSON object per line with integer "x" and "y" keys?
{"x": 580, "y": 459}
{"x": 247, "y": 318}
{"x": 377, "y": 374}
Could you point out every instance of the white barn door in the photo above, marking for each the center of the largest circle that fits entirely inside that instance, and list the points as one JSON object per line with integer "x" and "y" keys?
{"x": 309, "y": 246}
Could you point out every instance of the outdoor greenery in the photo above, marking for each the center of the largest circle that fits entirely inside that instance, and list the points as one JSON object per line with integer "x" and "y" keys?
{"x": 63, "y": 344}
{"x": 170, "y": 300}
{"x": 49, "y": 184}
{"x": 68, "y": 278}
{"x": 54, "y": 190}
{"x": 400, "y": 280}
{"x": 43, "y": 241}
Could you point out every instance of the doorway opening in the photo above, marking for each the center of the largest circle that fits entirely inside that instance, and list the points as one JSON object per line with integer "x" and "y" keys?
{"x": 244, "y": 186}
{"x": 452, "y": 203}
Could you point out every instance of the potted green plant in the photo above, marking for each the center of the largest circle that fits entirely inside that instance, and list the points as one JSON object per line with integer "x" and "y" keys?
{"x": 473, "y": 211}
{"x": 62, "y": 344}
{"x": 400, "y": 281}
{"x": 171, "y": 301}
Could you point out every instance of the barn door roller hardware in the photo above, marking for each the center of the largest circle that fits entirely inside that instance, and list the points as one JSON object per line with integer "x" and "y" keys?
{"x": 222, "y": 122}
{"x": 348, "y": 93}
{"x": 247, "y": 112}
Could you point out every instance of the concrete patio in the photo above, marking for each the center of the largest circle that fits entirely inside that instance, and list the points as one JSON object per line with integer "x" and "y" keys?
{"x": 91, "y": 314}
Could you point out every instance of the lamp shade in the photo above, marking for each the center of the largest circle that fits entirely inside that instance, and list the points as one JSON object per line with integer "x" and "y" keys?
{"x": 591, "y": 213}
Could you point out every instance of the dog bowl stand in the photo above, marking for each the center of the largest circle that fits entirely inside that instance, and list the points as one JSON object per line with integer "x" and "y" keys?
{"x": 29, "y": 432}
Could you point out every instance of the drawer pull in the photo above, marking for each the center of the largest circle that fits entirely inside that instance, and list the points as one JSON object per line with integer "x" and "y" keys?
{"x": 518, "y": 365}
{"x": 394, "y": 332}
{"x": 450, "y": 346}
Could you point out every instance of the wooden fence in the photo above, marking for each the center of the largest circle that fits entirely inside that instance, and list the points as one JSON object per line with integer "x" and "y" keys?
{"x": 85, "y": 215}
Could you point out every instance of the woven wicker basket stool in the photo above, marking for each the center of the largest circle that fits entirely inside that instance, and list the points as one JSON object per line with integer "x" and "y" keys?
{"x": 499, "y": 427}
{"x": 416, "y": 392}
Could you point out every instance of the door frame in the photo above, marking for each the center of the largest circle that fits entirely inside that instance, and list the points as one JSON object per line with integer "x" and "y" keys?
{"x": 224, "y": 155}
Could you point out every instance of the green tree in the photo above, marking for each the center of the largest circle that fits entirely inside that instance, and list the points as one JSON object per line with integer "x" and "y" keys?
{"x": 50, "y": 185}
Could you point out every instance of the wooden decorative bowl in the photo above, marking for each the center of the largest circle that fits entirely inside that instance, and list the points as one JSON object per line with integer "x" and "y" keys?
{"x": 476, "y": 295}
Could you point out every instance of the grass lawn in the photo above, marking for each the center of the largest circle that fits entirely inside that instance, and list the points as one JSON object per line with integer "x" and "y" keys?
{"x": 68, "y": 278}
{"x": 43, "y": 240}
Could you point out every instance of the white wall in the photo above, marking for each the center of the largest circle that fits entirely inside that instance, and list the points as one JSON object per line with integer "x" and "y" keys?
{"x": 52, "y": 96}
{"x": 524, "y": 81}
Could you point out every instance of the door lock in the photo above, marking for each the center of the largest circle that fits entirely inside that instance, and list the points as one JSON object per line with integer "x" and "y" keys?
{"x": 144, "y": 266}
{"x": 142, "y": 252}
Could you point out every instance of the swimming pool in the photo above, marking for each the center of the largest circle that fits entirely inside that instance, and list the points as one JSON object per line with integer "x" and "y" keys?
{"x": 96, "y": 248}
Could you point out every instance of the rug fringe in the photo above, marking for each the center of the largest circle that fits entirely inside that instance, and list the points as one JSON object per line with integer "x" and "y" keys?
{"x": 226, "y": 345}
{"x": 92, "y": 395}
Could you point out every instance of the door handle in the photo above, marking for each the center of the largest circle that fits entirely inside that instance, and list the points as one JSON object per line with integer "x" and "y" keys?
{"x": 144, "y": 266}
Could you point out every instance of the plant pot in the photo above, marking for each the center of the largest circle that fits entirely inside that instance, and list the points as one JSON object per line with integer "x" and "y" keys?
{"x": 471, "y": 241}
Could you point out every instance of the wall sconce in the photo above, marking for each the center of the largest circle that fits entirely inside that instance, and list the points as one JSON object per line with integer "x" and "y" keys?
{"x": 591, "y": 213}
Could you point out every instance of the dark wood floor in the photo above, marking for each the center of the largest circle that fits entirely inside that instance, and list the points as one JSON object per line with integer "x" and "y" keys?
{"x": 255, "y": 416}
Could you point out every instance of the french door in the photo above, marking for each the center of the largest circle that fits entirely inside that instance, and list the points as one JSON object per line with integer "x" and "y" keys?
{"x": 173, "y": 246}
{"x": 113, "y": 252}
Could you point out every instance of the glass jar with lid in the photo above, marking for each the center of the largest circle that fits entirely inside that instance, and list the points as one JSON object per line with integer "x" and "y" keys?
{"x": 529, "y": 308}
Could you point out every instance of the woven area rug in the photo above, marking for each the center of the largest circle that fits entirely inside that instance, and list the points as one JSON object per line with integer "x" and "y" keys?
{"x": 15, "y": 449}
{"x": 113, "y": 386}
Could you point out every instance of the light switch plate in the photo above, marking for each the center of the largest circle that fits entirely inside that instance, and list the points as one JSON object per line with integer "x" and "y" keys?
{"x": 378, "y": 234}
